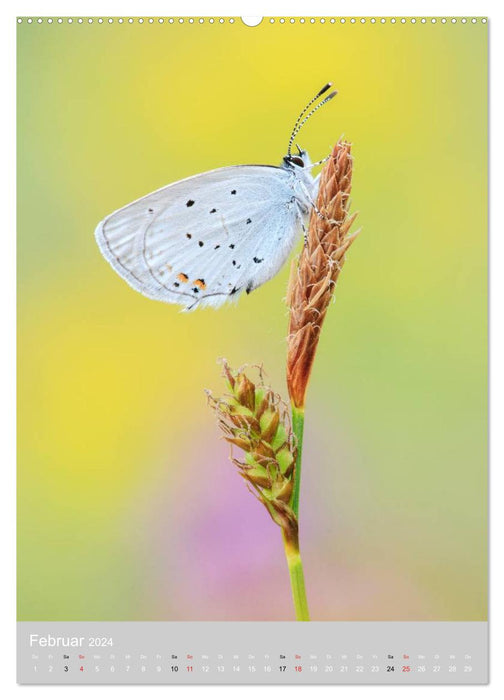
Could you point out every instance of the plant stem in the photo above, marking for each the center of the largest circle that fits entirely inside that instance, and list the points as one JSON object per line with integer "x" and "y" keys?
{"x": 297, "y": 427}
{"x": 297, "y": 580}
{"x": 292, "y": 546}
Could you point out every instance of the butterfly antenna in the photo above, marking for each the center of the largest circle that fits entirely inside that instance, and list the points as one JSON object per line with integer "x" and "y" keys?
{"x": 320, "y": 104}
{"x": 303, "y": 112}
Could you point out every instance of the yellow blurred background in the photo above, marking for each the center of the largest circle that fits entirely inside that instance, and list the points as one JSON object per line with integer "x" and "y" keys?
{"x": 128, "y": 506}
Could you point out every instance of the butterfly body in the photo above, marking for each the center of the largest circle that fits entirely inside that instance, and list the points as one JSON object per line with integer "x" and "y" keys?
{"x": 209, "y": 238}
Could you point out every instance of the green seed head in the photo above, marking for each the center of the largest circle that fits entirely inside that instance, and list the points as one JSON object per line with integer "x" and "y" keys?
{"x": 254, "y": 418}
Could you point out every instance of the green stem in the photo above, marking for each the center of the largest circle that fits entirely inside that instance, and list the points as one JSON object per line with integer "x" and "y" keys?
{"x": 292, "y": 545}
{"x": 297, "y": 581}
{"x": 297, "y": 427}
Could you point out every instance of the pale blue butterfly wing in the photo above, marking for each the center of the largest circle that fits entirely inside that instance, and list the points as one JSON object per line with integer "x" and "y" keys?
{"x": 210, "y": 237}
{"x": 206, "y": 239}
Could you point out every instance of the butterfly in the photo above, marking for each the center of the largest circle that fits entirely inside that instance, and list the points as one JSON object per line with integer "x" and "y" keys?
{"x": 206, "y": 239}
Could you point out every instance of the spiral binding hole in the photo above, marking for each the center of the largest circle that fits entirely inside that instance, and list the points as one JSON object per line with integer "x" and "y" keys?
{"x": 250, "y": 21}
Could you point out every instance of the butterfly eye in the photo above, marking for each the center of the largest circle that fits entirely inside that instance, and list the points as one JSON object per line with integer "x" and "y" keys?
{"x": 297, "y": 161}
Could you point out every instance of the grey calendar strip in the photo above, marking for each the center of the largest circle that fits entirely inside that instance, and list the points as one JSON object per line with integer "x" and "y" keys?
{"x": 252, "y": 652}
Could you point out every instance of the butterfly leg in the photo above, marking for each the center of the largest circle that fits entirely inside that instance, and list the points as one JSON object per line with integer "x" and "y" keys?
{"x": 305, "y": 232}
{"x": 312, "y": 203}
{"x": 301, "y": 213}
{"x": 320, "y": 162}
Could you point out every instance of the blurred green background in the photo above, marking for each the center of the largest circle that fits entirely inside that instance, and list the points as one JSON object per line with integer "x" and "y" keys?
{"x": 128, "y": 506}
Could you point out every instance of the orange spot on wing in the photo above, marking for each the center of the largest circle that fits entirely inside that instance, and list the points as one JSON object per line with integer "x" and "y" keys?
{"x": 182, "y": 277}
{"x": 200, "y": 283}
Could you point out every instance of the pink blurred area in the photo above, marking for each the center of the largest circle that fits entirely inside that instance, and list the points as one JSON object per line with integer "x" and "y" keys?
{"x": 210, "y": 551}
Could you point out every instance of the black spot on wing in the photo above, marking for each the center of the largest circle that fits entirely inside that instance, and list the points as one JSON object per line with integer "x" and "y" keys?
{"x": 232, "y": 245}
{"x": 188, "y": 235}
{"x": 212, "y": 211}
{"x": 189, "y": 202}
{"x": 201, "y": 244}
{"x": 258, "y": 260}
{"x": 233, "y": 191}
{"x": 249, "y": 221}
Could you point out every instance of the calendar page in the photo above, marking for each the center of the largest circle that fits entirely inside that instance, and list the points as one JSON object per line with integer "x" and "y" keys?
{"x": 252, "y": 350}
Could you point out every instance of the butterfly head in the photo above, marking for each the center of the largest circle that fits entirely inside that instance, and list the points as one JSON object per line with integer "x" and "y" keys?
{"x": 300, "y": 160}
